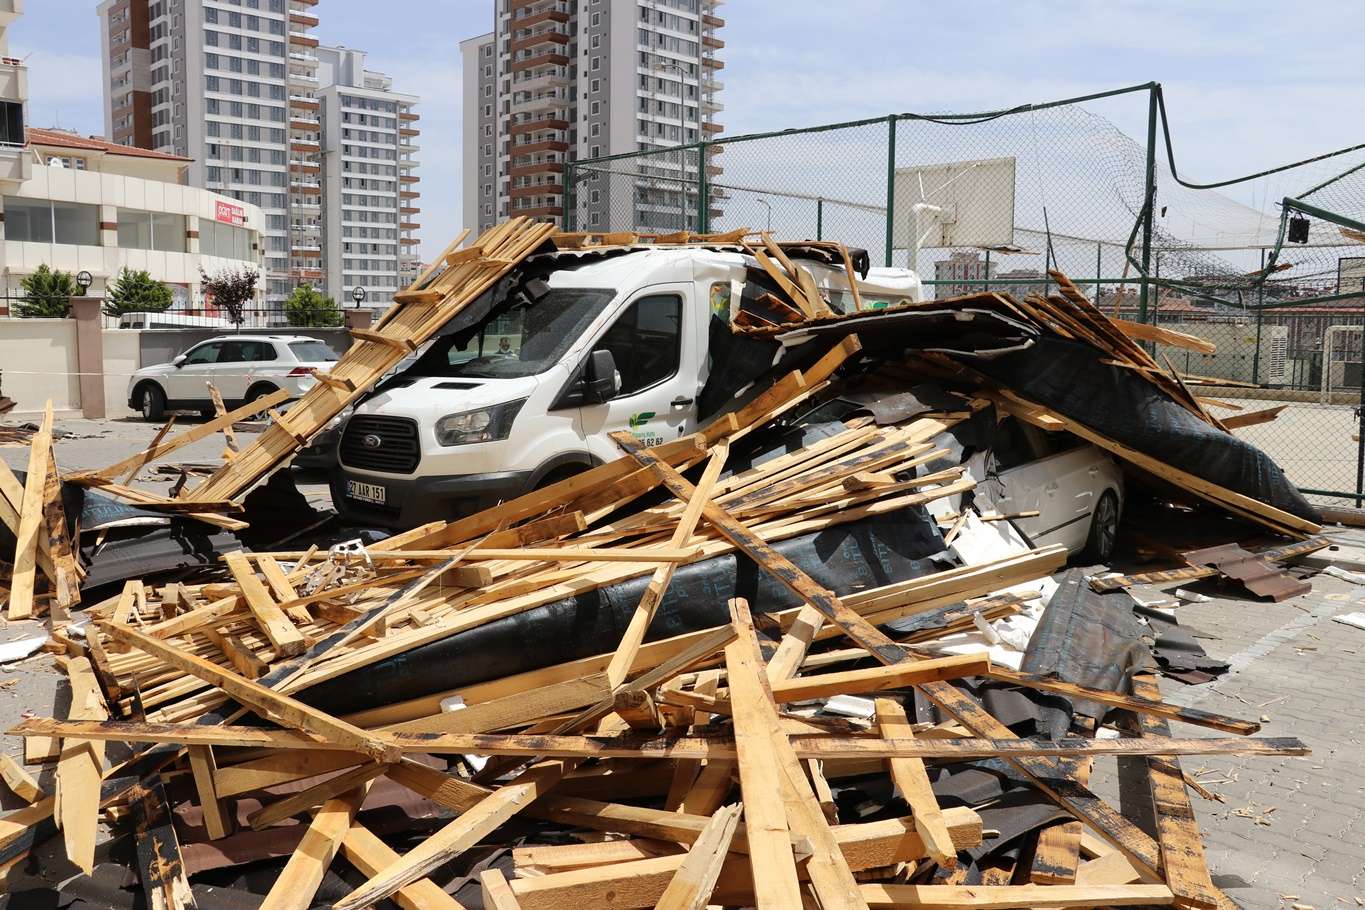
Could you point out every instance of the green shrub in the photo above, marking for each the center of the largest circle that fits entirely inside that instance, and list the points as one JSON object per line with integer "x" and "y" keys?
{"x": 47, "y": 294}
{"x": 136, "y": 292}
{"x": 308, "y": 306}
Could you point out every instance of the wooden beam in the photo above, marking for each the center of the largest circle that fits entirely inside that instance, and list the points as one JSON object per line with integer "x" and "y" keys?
{"x": 912, "y": 781}
{"x": 877, "y": 679}
{"x": 283, "y": 635}
{"x": 497, "y": 893}
{"x": 80, "y": 769}
{"x": 218, "y": 820}
{"x": 369, "y": 854}
{"x": 271, "y": 704}
{"x": 298, "y": 882}
{"x": 30, "y": 521}
{"x": 696, "y": 878}
{"x": 160, "y": 866}
{"x": 314, "y": 796}
{"x": 1008, "y": 897}
{"x": 401, "y": 344}
{"x": 19, "y": 781}
{"x": 1143, "y": 331}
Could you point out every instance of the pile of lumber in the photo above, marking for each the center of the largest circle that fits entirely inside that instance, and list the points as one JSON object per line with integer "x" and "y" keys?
{"x": 726, "y": 763}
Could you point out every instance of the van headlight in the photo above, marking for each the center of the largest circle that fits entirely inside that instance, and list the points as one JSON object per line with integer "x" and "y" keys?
{"x": 484, "y": 425}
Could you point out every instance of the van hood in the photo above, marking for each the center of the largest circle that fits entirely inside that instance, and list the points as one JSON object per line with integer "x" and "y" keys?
{"x": 429, "y": 398}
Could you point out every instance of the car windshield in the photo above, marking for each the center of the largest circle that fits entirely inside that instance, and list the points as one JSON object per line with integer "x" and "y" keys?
{"x": 312, "y": 351}
{"x": 518, "y": 340}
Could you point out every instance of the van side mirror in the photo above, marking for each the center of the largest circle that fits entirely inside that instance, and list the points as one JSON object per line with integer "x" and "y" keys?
{"x": 600, "y": 377}
{"x": 179, "y": 361}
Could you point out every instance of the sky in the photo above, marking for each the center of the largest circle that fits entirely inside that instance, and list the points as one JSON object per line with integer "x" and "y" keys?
{"x": 1248, "y": 84}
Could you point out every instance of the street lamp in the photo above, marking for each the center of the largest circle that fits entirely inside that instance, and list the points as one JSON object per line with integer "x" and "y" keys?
{"x": 358, "y": 295}
{"x": 769, "y": 206}
{"x": 83, "y": 280}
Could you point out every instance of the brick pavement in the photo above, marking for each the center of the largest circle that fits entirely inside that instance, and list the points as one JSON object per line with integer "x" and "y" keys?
{"x": 1291, "y": 830}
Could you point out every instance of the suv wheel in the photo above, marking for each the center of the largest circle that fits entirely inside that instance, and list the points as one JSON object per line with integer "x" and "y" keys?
{"x": 1104, "y": 530}
{"x": 260, "y": 391}
{"x": 152, "y": 402}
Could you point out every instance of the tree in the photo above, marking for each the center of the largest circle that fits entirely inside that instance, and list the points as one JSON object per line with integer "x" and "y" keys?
{"x": 310, "y": 307}
{"x": 47, "y": 294}
{"x": 136, "y": 292}
{"x": 231, "y": 290}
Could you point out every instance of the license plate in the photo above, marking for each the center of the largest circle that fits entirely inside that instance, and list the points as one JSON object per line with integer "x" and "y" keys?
{"x": 365, "y": 492}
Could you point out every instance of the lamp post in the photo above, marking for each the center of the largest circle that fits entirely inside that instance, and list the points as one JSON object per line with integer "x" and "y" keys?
{"x": 769, "y": 206}
{"x": 358, "y": 295}
{"x": 83, "y": 280}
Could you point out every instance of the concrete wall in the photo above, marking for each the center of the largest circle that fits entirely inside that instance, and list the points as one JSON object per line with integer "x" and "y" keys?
{"x": 38, "y": 362}
{"x": 122, "y": 356}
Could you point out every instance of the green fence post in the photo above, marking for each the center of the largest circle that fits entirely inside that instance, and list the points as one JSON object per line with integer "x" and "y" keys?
{"x": 703, "y": 193}
{"x": 988, "y": 270}
{"x": 568, "y": 218}
{"x": 1099, "y": 267}
{"x": 1260, "y": 318}
{"x": 820, "y": 219}
{"x": 1149, "y": 186}
{"x": 891, "y": 184}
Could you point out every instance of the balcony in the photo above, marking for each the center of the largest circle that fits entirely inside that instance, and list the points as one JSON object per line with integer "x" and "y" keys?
{"x": 409, "y": 116}
{"x": 549, "y": 36}
{"x": 409, "y": 163}
{"x": 549, "y": 15}
{"x": 303, "y": 251}
{"x": 712, "y": 21}
{"x": 712, "y": 41}
{"x": 534, "y": 5}
{"x": 408, "y": 194}
{"x": 305, "y": 188}
{"x": 305, "y": 272}
{"x": 304, "y": 146}
{"x": 16, "y": 164}
{"x": 301, "y": 124}
{"x": 546, "y": 101}
{"x": 409, "y": 210}
{"x": 711, "y": 107}
{"x": 711, "y": 128}
{"x": 537, "y": 189}
{"x": 539, "y": 211}
{"x": 522, "y": 127}
{"x": 709, "y": 86}
{"x": 712, "y": 63}
{"x": 301, "y": 39}
{"x": 551, "y": 58}
{"x": 303, "y": 19}
{"x": 540, "y": 167}
{"x": 409, "y": 226}
{"x": 13, "y": 77}
{"x": 409, "y": 131}
{"x": 304, "y": 103}
{"x": 408, "y": 178}
{"x": 299, "y": 79}
{"x": 522, "y": 149}
{"x": 304, "y": 166}
{"x": 409, "y": 241}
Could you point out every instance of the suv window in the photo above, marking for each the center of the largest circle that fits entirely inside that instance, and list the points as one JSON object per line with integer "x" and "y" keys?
{"x": 205, "y": 353}
{"x": 246, "y": 352}
{"x": 646, "y": 342}
{"x": 312, "y": 352}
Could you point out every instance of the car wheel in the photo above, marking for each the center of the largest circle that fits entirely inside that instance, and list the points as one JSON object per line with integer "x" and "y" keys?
{"x": 152, "y": 402}
{"x": 1104, "y": 530}
{"x": 260, "y": 391}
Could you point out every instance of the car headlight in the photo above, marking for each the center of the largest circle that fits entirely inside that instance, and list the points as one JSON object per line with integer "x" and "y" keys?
{"x": 483, "y": 425}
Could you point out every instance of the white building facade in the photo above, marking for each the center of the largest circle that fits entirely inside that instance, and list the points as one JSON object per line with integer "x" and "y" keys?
{"x": 90, "y": 205}
{"x": 557, "y": 81}
{"x": 369, "y": 180}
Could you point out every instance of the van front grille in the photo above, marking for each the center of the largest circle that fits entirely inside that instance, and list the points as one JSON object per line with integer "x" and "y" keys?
{"x": 387, "y": 444}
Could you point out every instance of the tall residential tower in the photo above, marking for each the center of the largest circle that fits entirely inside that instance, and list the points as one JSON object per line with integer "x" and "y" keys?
{"x": 234, "y": 85}
{"x": 559, "y": 80}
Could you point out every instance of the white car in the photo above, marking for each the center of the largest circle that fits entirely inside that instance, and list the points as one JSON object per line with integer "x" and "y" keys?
{"x": 1075, "y": 488}
{"x": 242, "y": 367}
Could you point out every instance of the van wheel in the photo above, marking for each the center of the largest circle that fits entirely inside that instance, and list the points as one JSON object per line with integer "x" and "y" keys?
{"x": 1104, "y": 530}
{"x": 152, "y": 402}
{"x": 559, "y": 474}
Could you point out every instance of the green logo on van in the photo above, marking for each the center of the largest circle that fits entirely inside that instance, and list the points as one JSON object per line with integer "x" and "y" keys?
{"x": 640, "y": 419}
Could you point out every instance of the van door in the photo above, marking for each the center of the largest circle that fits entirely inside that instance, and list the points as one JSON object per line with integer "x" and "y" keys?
{"x": 657, "y": 399}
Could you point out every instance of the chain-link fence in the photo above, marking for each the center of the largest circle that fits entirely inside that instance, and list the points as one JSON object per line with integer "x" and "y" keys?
{"x": 994, "y": 200}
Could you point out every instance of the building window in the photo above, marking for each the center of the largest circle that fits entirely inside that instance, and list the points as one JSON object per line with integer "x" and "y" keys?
{"x": 151, "y": 231}
{"x": 41, "y": 221}
{"x": 11, "y": 123}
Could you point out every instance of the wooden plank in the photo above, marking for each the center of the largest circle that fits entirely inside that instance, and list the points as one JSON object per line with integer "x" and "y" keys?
{"x": 1008, "y": 897}
{"x": 229, "y": 436}
{"x": 284, "y": 636}
{"x": 165, "y": 886}
{"x": 624, "y": 656}
{"x": 1252, "y": 418}
{"x": 369, "y": 854}
{"x": 238, "y": 654}
{"x": 314, "y": 796}
{"x": 302, "y": 874}
{"x": 912, "y": 781}
{"x": 1056, "y": 858}
{"x": 19, "y": 781}
{"x": 457, "y": 836}
{"x": 1183, "y": 865}
{"x": 218, "y": 820}
{"x": 497, "y": 893}
{"x": 695, "y": 879}
{"x": 156, "y": 441}
{"x": 1143, "y": 331}
{"x": 876, "y": 679}
{"x": 30, "y": 520}
{"x": 765, "y": 818}
{"x": 80, "y": 769}
{"x": 401, "y": 344}
{"x": 280, "y": 768}
{"x": 281, "y": 708}
{"x": 193, "y": 435}
{"x": 11, "y": 504}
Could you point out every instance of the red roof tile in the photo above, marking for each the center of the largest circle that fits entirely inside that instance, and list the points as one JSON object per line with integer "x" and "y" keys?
{"x": 63, "y": 139}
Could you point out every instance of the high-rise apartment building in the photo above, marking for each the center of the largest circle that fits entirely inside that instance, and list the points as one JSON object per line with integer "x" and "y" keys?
{"x": 559, "y": 80}
{"x": 234, "y": 85}
{"x": 369, "y": 179}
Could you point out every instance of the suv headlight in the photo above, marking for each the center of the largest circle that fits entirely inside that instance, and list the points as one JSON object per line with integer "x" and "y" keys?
{"x": 484, "y": 425}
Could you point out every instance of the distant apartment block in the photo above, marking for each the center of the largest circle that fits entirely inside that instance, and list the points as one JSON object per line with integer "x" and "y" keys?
{"x": 557, "y": 81}
{"x": 963, "y": 272}
{"x": 234, "y": 86}
{"x": 369, "y": 180}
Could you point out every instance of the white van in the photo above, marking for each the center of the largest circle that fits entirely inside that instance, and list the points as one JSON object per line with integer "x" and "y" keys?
{"x": 172, "y": 321}
{"x": 528, "y": 394}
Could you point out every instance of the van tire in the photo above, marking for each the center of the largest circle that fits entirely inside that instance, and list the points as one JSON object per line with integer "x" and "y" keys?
{"x": 560, "y": 473}
{"x": 1104, "y": 529}
{"x": 151, "y": 401}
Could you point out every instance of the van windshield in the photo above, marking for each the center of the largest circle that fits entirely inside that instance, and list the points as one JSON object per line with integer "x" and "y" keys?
{"x": 515, "y": 341}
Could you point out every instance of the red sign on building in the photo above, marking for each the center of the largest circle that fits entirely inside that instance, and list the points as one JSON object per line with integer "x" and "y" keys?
{"x": 228, "y": 213}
